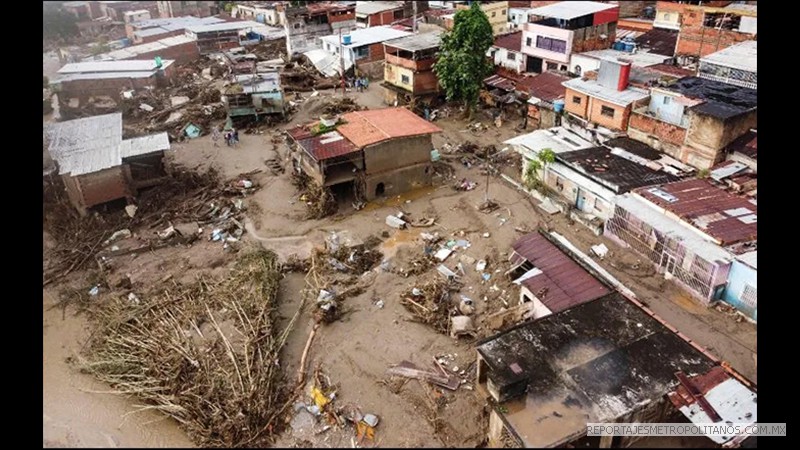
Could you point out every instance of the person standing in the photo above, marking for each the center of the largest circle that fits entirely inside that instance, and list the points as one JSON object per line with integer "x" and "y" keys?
{"x": 235, "y": 138}
{"x": 215, "y": 136}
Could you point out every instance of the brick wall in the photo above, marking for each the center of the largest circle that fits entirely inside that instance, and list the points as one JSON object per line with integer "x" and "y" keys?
{"x": 662, "y": 131}
{"x": 697, "y": 40}
{"x": 580, "y": 108}
{"x": 618, "y": 122}
{"x": 589, "y": 38}
{"x": 376, "y": 52}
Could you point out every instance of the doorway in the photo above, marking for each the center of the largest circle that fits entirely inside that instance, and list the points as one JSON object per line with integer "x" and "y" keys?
{"x": 380, "y": 190}
{"x": 668, "y": 263}
{"x": 533, "y": 64}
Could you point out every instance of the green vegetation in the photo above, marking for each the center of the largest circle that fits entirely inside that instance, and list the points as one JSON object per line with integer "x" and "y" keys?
{"x": 57, "y": 23}
{"x": 532, "y": 180}
{"x": 462, "y": 65}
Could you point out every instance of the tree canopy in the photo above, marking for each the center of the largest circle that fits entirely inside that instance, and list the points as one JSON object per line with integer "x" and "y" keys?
{"x": 57, "y": 23}
{"x": 462, "y": 65}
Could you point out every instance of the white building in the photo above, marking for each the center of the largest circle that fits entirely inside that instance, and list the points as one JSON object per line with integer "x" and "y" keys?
{"x": 360, "y": 44}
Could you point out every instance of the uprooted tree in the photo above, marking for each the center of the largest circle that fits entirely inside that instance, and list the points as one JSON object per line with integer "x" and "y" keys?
{"x": 462, "y": 65}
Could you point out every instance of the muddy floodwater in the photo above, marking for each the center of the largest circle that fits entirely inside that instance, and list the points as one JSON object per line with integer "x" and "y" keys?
{"x": 74, "y": 414}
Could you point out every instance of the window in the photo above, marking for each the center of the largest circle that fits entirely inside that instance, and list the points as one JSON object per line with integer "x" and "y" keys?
{"x": 404, "y": 79}
{"x": 563, "y": 68}
{"x": 576, "y": 100}
{"x": 503, "y": 12}
{"x": 552, "y": 66}
{"x": 667, "y": 100}
{"x": 529, "y": 42}
{"x": 511, "y": 56}
{"x": 749, "y": 296}
{"x": 550, "y": 44}
{"x": 513, "y": 18}
{"x": 578, "y": 70}
{"x": 598, "y": 206}
{"x": 559, "y": 184}
{"x": 361, "y": 52}
{"x": 667, "y": 16}
{"x": 398, "y": 14}
{"x": 296, "y": 26}
{"x": 494, "y": 13}
{"x": 606, "y": 111}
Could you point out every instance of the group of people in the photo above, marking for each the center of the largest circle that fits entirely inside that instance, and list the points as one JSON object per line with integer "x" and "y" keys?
{"x": 361, "y": 83}
{"x": 231, "y": 137}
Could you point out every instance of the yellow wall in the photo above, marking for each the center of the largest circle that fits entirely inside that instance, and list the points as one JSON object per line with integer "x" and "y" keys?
{"x": 500, "y": 20}
{"x": 393, "y": 74}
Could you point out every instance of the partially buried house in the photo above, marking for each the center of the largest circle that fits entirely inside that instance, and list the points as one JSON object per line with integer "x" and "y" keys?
{"x": 97, "y": 165}
{"x": 605, "y": 360}
{"x": 375, "y": 152}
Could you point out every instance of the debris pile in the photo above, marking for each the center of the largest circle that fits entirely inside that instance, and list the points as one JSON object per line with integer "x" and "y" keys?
{"x": 206, "y": 354}
{"x": 318, "y": 199}
{"x": 300, "y": 75}
{"x": 431, "y": 302}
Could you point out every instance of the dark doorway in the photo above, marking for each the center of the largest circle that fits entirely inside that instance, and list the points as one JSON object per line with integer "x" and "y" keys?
{"x": 380, "y": 189}
{"x": 533, "y": 65}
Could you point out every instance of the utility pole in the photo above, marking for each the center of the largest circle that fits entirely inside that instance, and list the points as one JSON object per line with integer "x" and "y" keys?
{"x": 341, "y": 61}
{"x": 414, "y": 26}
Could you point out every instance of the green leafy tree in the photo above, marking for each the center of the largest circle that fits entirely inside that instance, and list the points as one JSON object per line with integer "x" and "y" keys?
{"x": 57, "y": 23}
{"x": 546, "y": 156}
{"x": 462, "y": 65}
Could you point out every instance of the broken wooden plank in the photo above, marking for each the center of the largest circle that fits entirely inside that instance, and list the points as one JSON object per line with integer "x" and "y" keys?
{"x": 409, "y": 370}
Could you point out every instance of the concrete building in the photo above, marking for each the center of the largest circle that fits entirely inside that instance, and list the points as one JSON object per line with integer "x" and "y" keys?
{"x": 606, "y": 101}
{"x": 97, "y": 165}
{"x": 254, "y": 95}
{"x": 376, "y": 13}
{"x": 109, "y": 78}
{"x": 669, "y": 13}
{"x": 602, "y": 361}
{"x": 181, "y": 49}
{"x": 506, "y": 52}
{"x": 187, "y": 8}
{"x": 408, "y": 70}
{"x": 362, "y": 45}
{"x": 496, "y": 12}
{"x": 115, "y": 10}
{"x": 736, "y": 65}
{"x": 742, "y": 289}
{"x": 518, "y": 17}
{"x": 691, "y": 231}
{"x": 374, "y": 153}
{"x": 306, "y": 24}
{"x": 135, "y": 16}
{"x": 705, "y": 29}
{"x": 695, "y": 119}
{"x": 266, "y": 13}
{"x": 565, "y": 28}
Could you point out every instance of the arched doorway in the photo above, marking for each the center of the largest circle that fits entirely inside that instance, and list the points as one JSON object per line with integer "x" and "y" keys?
{"x": 380, "y": 189}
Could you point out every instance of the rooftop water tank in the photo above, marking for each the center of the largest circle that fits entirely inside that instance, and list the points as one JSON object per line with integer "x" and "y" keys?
{"x": 346, "y": 39}
{"x": 618, "y": 46}
{"x": 558, "y": 105}
{"x": 629, "y": 46}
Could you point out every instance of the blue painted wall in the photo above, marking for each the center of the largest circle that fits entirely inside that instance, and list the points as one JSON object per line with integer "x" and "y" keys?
{"x": 740, "y": 275}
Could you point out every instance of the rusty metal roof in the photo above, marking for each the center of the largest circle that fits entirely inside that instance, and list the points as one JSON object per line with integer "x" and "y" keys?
{"x": 563, "y": 283}
{"x": 323, "y": 146}
{"x": 373, "y": 126}
{"x": 746, "y": 144}
{"x": 546, "y": 86}
{"x": 726, "y": 217}
{"x": 510, "y": 41}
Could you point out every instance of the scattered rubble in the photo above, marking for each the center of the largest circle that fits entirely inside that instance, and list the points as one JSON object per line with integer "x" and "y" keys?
{"x": 433, "y": 305}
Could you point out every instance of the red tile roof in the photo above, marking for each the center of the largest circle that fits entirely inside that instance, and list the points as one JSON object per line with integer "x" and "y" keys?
{"x": 511, "y": 41}
{"x": 565, "y": 283}
{"x": 372, "y": 126}
{"x": 726, "y": 217}
{"x": 324, "y": 146}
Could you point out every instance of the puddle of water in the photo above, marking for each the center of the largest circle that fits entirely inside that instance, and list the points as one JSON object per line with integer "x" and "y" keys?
{"x": 399, "y": 238}
{"x": 398, "y": 200}
{"x": 689, "y": 304}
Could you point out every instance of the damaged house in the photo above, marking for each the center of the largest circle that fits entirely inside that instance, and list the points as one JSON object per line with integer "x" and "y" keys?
{"x": 373, "y": 153}
{"x": 708, "y": 29}
{"x": 304, "y": 25}
{"x": 691, "y": 231}
{"x": 736, "y": 65}
{"x": 695, "y": 119}
{"x": 605, "y": 360}
{"x": 98, "y": 166}
{"x": 77, "y": 82}
{"x": 254, "y": 94}
{"x": 408, "y": 70}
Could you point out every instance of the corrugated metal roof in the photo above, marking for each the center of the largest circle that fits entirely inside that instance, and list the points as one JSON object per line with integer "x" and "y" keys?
{"x": 733, "y": 401}
{"x": 720, "y": 100}
{"x": 557, "y": 139}
{"x": 547, "y": 86}
{"x": 135, "y": 50}
{"x": 111, "y": 66}
{"x": 743, "y": 56}
{"x": 367, "y": 36}
{"x": 595, "y": 89}
{"x": 95, "y": 143}
{"x": 750, "y": 258}
{"x": 623, "y": 33}
{"x": 175, "y": 23}
{"x": 324, "y": 146}
{"x": 417, "y": 42}
{"x": 658, "y": 41}
{"x": 499, "y": 82}
{"x": 372, "y": 126}
{"x": 746, "y": 144}
{"x": 261, "y": 82}
{"x": 144, "y": 145}
{"x": 510, "y": 41}
{"x": 327, "y": 64}
{"x": 102, "y": 76}
{"x": 226, "y": 26}
{"x": 562, "y": 283}
{"x": 570, "y": 10}
{"x": 615, "y": 172}
{"x": 368, "y": 8}
{"x": 707, "y": 207}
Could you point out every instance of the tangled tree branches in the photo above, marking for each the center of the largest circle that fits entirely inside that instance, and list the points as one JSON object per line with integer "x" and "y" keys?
{"x": 431, "y": 303}
{"x": 205, "y": 354}
{"x": 318, "y": 199}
